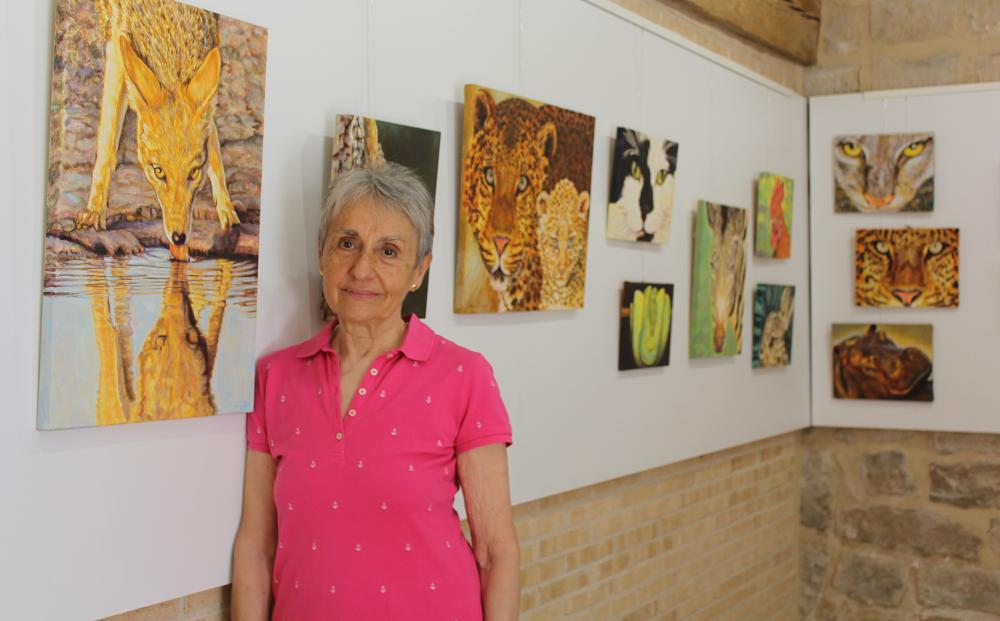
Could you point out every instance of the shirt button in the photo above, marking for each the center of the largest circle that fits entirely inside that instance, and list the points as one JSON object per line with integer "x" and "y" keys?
{"x": 351, "y": 412}
{"x": 340, "y": 436}
{"x": 374, "y": 371}
{"x": 362, "y": 391}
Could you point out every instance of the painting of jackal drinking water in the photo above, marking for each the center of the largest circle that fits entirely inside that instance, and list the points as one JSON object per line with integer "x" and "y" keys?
{"x": 151, "y": 216}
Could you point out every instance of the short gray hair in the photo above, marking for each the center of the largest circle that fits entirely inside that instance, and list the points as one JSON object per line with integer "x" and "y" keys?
{"x": 390, "y": 185}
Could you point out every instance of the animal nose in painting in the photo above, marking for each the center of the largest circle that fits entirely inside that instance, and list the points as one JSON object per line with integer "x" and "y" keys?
{"x": 877, "y": 201}
{"x": 178, "y": 238}
{"x": 906, "y": 296}
{"x": 501, "y": 243}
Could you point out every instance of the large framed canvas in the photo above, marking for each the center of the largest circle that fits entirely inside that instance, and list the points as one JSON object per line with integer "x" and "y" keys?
{"x": 152, "y": 209}
{"x": 525, "y": 205}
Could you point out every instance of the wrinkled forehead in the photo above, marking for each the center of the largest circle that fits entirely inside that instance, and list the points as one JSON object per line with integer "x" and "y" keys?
{"x": 372, "y": 220}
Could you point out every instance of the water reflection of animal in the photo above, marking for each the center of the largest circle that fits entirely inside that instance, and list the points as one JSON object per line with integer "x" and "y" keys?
{"x": 176, "y": 362}
{"x": 728, "y": 263}
{"x": 873, "y": 366}
{"x": 162, "y": 58}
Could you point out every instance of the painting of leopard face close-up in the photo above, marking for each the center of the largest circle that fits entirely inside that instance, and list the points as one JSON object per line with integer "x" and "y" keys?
{"x": 906, "y": 268}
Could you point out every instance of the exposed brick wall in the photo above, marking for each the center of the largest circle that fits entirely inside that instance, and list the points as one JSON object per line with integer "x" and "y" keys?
{"x": 882, "y": 44}
{"x": 710, "y": 538}
{"x": 900, "y": 525}
{"x": 706, "y": 538}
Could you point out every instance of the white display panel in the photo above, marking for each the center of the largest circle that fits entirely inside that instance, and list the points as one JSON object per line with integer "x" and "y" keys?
{"x": 966, "y": 196}
{"x": 102, "y": 520}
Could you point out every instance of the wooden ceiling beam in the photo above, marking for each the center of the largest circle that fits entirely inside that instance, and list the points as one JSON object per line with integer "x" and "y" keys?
{"x": 789, "y": 28}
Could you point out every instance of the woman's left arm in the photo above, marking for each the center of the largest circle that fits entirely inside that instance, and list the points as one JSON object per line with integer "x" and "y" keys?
{"x": 482, "y": 473}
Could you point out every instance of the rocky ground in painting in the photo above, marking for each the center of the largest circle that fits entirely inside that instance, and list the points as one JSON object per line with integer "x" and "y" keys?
{"x": 900, "y": 526}
{"x": 76, "y": 89}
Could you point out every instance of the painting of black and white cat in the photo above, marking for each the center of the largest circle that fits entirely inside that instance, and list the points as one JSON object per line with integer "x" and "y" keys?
{"x": 883, "y": 173}
{"x": 642, "y": 187}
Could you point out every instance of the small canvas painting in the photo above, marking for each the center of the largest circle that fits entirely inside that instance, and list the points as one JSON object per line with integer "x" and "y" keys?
{"x": 644, "y": 330}
{"x": 883, "y": 361}
{"x": 718, "y": 273}
{"x": 774, "y": 216}
{"x": 883, "y": 173}
{"x": 361, "y": 141}
{"x": 773, "y": 311}
{"x": 152, "y": 214}
{"x": 525, "y": 205}
{"x": 641, "y": 202}
{"x": 909, "y": 268}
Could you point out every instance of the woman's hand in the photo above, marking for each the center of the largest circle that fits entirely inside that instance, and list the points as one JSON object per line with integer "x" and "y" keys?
{"x": 482, "y": 473}
{"x": 253, "y": 553}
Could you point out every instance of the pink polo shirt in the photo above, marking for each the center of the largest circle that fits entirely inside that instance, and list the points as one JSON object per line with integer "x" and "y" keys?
{"x": 366, "y": 524}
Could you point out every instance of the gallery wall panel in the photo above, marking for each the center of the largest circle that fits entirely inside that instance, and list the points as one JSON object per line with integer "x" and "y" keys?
{"x": 966, "y": 195}
{"x": 116, "y": 518}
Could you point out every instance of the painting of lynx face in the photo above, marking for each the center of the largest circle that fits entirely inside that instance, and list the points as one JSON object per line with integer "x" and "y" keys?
{"x": 906, "y": 267}
{"x": 883, "y": 173}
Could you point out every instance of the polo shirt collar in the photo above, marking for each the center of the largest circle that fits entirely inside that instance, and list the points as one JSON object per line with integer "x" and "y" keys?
{"x": 416, "y": 345}
{"x": 418, "y": 341}
{"x": 319, "y": 342}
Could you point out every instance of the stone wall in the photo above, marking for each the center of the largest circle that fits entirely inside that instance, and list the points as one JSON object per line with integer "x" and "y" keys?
{"x": 884, "y": 44}
{"x": 900, "y": 525}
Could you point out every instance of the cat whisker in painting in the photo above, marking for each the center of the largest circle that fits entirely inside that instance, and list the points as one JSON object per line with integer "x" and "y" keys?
{"x": 884, "y": 173}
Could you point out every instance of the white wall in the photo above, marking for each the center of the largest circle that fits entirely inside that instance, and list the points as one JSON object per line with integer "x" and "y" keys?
{"x": 966, "y": 195}
{"x": 99, "y": 521}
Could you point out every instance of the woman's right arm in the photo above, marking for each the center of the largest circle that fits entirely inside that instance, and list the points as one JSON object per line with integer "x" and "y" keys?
{"x": 253, "y": 553}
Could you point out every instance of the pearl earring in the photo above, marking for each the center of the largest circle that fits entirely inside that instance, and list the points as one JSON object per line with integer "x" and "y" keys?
{"x": 413, "y": 287}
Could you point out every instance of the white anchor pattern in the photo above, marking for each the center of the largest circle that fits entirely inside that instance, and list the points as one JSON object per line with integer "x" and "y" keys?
{"x": 372, "y": 481}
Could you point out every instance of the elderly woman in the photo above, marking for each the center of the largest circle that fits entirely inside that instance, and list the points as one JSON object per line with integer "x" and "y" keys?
{"x": 361, "y": 435}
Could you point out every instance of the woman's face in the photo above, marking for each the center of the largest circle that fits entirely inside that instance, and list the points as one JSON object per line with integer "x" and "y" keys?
{"x": 369, "y": 262}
